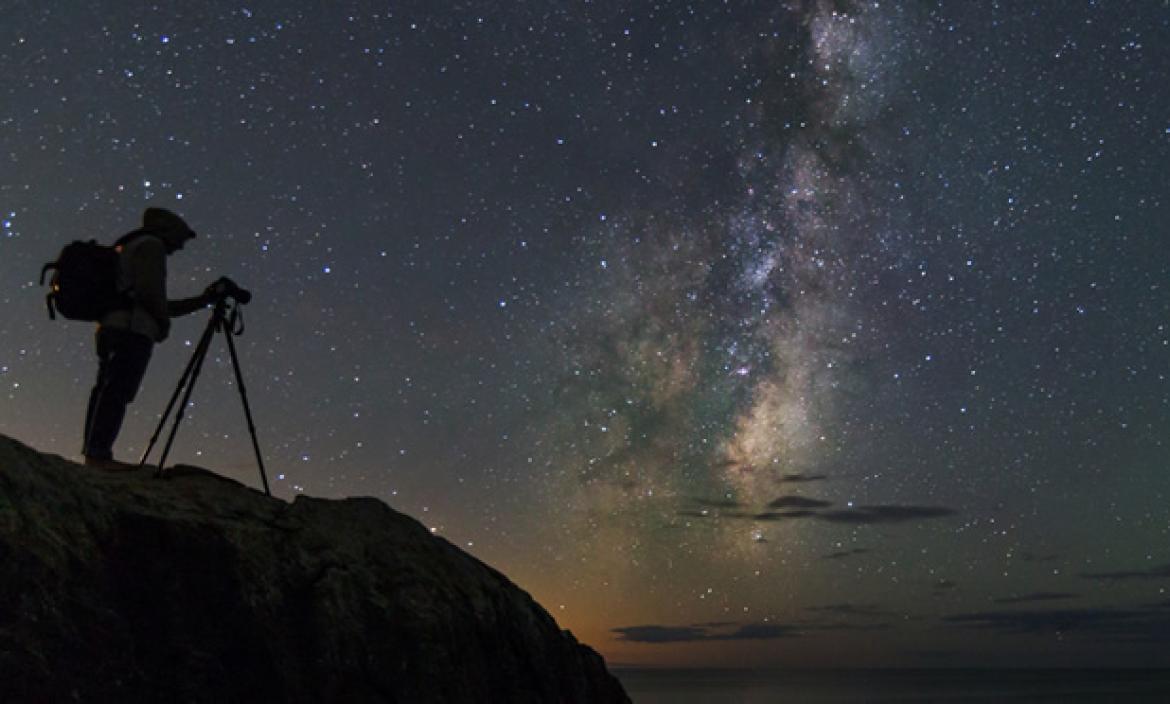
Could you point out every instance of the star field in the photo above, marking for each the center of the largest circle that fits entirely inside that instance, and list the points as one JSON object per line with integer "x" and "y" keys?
{"x": 804, "y": 333}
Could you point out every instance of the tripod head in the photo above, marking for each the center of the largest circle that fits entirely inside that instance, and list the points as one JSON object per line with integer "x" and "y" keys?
{"x": 224, "y": 288}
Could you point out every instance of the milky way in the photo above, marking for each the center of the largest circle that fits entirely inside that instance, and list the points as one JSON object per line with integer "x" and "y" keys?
{"x": 714, "y": 347}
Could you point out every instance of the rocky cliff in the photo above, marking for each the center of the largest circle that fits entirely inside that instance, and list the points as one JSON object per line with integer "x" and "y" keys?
{"x": 123, "y": 587}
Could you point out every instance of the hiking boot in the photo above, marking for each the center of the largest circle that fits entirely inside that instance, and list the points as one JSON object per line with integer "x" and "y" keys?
{"x": 109, "y": 465}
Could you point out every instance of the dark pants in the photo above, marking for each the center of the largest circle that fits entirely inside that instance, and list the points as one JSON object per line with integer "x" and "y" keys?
{"x": 122, "y": 360}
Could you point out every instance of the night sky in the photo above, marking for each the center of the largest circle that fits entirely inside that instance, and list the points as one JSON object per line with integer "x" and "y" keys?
{"x": 748, "y": 333}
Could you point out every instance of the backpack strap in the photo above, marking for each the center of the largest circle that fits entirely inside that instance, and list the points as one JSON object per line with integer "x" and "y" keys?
{"x": 49, "y": 296}
{"x": 128, "y": 295}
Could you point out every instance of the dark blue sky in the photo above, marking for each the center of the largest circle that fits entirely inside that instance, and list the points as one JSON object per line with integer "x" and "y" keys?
{"x": 748, "y": 333}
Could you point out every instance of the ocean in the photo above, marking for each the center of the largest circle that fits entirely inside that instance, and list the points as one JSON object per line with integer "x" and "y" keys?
{"x": 664, "y": 686}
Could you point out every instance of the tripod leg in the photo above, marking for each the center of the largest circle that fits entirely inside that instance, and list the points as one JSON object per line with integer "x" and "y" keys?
{"x": 200, "y": 354}
{"x": 247, "y": 410}
{"x": 196, "y": 360}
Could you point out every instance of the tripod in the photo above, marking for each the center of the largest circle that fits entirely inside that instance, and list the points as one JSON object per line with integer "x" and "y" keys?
{"x": 225, "y": 318}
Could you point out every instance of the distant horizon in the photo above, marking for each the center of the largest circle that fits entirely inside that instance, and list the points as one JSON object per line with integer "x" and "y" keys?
{"x": 780, "y": 669}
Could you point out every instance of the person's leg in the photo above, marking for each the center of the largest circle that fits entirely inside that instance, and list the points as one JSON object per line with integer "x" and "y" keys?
{"x": 95, "y": 394}
{"x": 123, "y": 357}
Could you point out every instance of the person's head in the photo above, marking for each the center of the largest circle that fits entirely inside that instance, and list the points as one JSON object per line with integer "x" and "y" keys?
{"x": 168, "y": 227}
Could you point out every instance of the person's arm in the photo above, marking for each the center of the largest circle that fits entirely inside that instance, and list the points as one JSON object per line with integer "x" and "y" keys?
{"x": 183, "y": 306}
{"x": 150, "y": 287}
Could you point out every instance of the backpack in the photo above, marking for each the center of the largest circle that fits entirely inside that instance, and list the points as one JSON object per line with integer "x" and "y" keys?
{"x": 85, "y": 282}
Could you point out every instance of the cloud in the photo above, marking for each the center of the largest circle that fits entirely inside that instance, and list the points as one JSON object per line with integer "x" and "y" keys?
{"x": 704, "y": 632}
{"x": 1040, "y": 621}
{"x": 722, "y": 632}
{"x": 1036, "y": 596}
{"x": 660, "y": 634}
{"x": 1159, "y": 572}
{"x": 845, "y": 553}
{"x": 1130, "y": 625}
{"x": 759, "y": 631}
{"x": 846, "y": 609}
{"x": 804, "y": 507}
{"x": 781, "y": 515}
{"x": 798, "y": 502}
{"x": 885, "y": 514}
{"x": 797, "y": 478}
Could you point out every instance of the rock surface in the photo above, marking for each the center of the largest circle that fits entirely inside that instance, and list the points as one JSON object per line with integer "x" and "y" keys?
{"x": 123, "y": 587}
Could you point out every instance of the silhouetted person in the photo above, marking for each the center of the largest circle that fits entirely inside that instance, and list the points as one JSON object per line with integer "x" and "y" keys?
{"x": 126, "y": 337}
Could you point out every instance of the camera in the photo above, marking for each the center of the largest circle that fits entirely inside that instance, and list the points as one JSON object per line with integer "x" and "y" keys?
{"x": 225, "y": 288}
